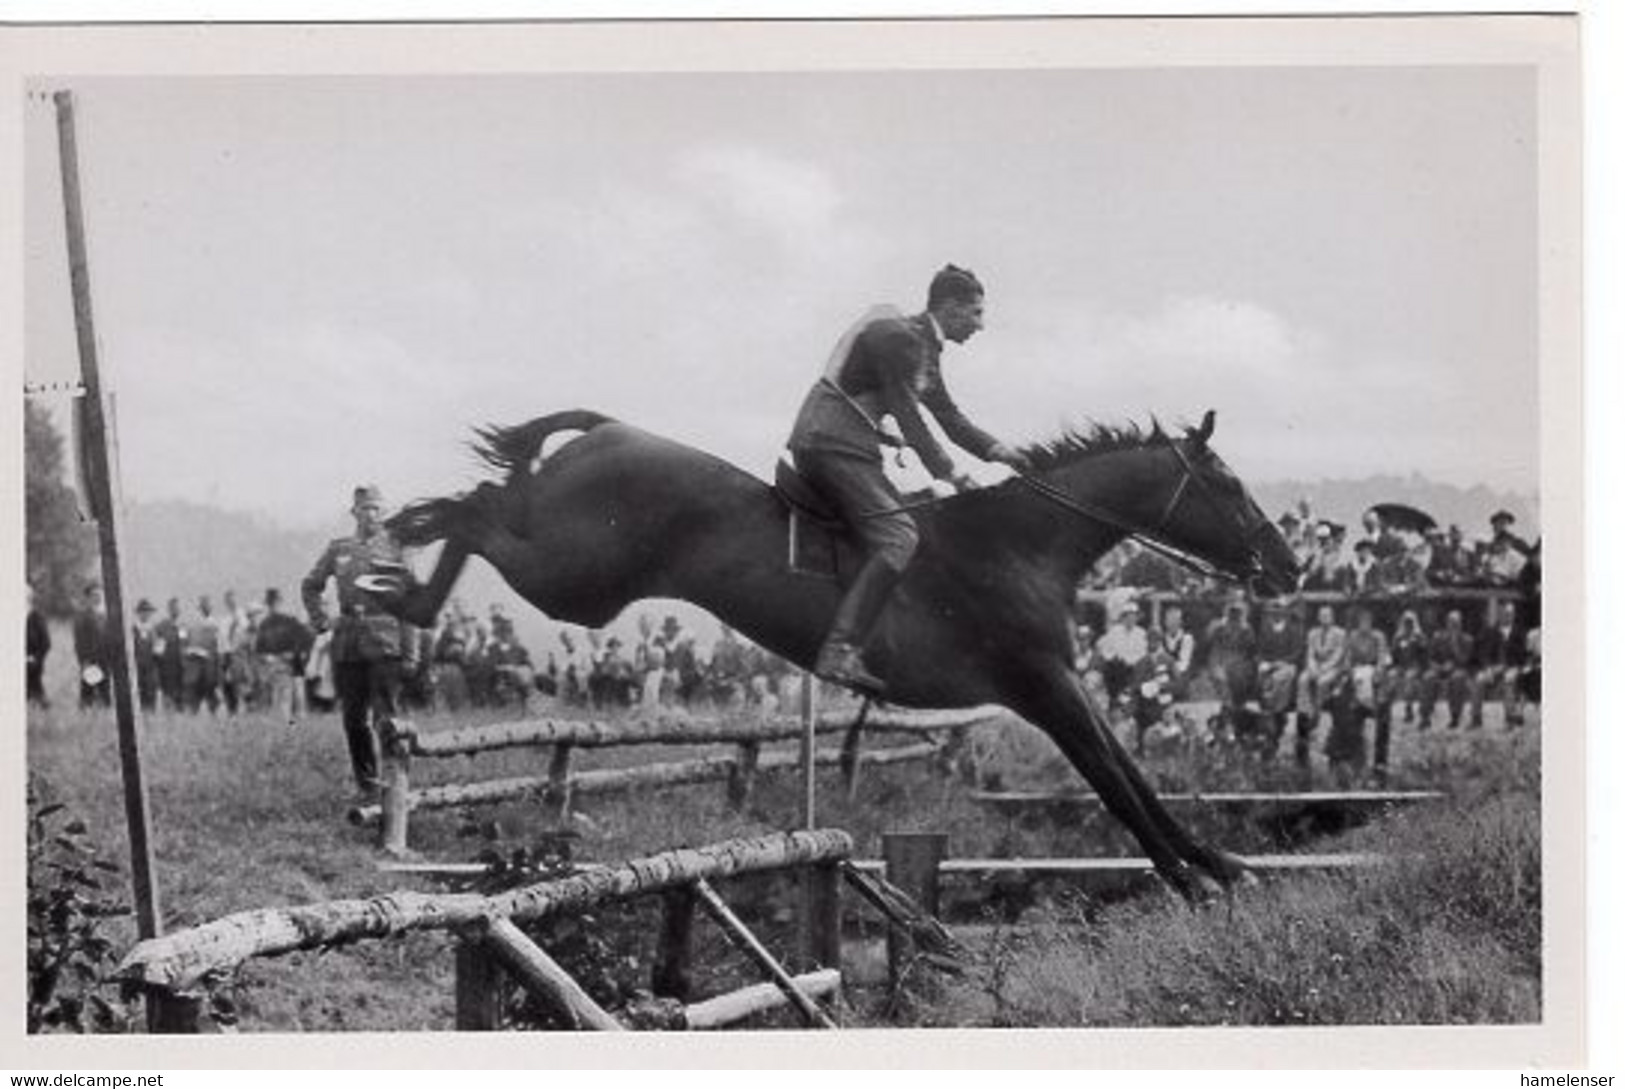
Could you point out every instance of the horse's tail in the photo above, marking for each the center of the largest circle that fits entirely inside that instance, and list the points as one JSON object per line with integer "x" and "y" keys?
{"x": 512, "y": 449}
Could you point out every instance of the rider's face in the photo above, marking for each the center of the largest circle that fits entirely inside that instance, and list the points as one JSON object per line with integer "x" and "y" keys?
{"x": 368, "y": 516}
{"x": 960, "y": 320}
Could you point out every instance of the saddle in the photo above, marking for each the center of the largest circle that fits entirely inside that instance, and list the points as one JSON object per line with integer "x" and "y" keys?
{"x": 821, "y": 545}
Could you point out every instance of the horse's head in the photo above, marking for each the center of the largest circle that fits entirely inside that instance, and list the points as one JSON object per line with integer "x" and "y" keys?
{"x": 1209, "y": 514}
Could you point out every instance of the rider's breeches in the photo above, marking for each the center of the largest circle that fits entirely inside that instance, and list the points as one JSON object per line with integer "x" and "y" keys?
{"x": 867, "y": 502}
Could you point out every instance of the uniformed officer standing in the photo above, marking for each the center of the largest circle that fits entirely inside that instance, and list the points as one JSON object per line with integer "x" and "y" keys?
{"x": 370, "y": 648}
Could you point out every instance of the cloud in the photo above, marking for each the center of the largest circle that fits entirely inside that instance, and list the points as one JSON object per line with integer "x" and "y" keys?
{"x": 1232, "y": 332}
{"x": 790, "y": 202}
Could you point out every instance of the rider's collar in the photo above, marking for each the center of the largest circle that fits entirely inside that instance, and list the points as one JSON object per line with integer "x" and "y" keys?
{"x": 936, "y": 330}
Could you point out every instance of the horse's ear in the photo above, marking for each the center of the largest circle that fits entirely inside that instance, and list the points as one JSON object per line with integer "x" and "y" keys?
{"x": 1157, "y": 433}
{"x": 1204, "y": 432}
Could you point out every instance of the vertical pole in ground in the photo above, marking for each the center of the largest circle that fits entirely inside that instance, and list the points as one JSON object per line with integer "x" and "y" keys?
{"x": 673, "y": 973}
{"x": 479, "y": 995}
{"x": 396, "y": 800}
{"x": 98, "y": 472}
{"x": 809, "y": 751}
{"x": 913, "y": 861}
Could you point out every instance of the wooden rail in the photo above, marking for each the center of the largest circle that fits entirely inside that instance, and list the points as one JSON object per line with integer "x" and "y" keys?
{"x": 726, "y": 767}
{"x": 1349, "y": 799}
{"x": 172, "y": 969}
{"x": 402, "y": 741}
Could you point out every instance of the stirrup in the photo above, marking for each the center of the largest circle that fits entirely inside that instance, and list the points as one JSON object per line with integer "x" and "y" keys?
{"x": 842, "y": 664}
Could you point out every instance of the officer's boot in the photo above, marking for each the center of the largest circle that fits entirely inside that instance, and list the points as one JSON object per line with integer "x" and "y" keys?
{"x": 840, "y": 660}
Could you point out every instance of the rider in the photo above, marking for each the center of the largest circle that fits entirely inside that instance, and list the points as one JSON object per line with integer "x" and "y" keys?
{"x": 886, "y": 364}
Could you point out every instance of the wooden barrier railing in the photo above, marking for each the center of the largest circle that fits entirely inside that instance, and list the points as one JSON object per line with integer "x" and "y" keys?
{"x": 171, "y": 970}
{"x": 401, "y": 742}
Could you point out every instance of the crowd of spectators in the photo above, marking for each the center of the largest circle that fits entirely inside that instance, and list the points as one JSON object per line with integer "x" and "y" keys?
{"x": 1393, "y": 621}
{"x": 231, "y": 659}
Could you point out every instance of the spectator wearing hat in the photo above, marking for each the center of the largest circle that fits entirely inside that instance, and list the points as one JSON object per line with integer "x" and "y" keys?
{"x": 169, "y": 647}
{"x": 1363, "y": 569}
{"x": 143, "y": 640}
{"x": 681, "y": 661}
{"x": 38, "y": 634}
{"x": 282, "y": 644}
{"x": 1294, "y": 532}
{"x": 1327, "y": 570}
{"x": 1121, "y": 650}
{"x": 1507, "y": 553}
{"x": 91, "y": 649}
{"x": 370, "y": 648}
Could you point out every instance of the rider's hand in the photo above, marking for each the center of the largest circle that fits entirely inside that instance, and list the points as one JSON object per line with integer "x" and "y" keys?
{"x": 1008, "y": 455}
{"x": 962, "y": 483}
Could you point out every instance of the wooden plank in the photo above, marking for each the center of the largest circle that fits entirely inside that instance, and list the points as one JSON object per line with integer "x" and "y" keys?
{"x": 737, "y": 1005}
{"x": 542, "y": 976}
{"x": 742, "y": 939}
{"x": 1350, "y": 798}
{"x": 178, "y": 961}
{"x": 1264, "y": 863}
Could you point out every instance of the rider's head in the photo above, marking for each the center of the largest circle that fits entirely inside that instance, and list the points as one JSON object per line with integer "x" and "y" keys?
{"x": 955, "y": 300}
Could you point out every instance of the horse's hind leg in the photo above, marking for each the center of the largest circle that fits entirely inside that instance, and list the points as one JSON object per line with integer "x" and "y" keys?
{"x": 422, "y": 601}
{"x": 1056, "y": 704}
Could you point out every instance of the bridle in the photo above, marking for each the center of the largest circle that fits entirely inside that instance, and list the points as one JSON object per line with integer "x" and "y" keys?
{"x": 1155, "y": 537}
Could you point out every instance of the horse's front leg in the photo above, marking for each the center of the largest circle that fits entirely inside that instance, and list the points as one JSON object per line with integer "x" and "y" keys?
{"x": 1054, "y": 701}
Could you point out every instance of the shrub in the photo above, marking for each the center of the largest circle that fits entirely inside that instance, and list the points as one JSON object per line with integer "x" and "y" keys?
{"x": 69, "y": 957}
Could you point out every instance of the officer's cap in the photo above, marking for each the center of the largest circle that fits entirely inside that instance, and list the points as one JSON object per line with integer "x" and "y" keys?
{"x": 368, "y": 495}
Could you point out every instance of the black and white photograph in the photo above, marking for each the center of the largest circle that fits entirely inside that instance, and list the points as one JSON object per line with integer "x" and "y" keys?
{"x": 782, "y": 534}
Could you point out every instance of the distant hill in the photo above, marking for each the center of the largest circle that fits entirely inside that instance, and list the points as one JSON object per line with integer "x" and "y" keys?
{"x": 182, "y": 549}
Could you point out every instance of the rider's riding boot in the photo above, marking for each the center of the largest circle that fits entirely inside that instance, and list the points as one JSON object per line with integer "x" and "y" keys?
{"x": 840, "y": 660}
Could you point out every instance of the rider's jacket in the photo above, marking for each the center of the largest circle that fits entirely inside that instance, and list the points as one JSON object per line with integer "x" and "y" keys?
{"x": 885, "y": 365}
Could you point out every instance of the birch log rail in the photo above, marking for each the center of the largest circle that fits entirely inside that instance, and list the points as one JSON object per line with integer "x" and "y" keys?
{"x": 174, "y": 969}
{"x": 402, "y": 741}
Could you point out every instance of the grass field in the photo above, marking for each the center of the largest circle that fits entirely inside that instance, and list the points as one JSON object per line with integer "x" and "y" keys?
{"x": 249, "y": 812}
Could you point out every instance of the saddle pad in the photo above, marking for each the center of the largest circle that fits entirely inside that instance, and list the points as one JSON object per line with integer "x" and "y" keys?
{"x": 813, "y": 550}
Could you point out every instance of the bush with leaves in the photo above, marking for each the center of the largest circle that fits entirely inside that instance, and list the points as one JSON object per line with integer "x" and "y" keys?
{"x": 69, "y": 956}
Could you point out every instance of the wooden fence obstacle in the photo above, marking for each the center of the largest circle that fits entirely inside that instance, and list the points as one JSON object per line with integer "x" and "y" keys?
{"x": 560, "y": 786}
{"x": 172, "y": 970}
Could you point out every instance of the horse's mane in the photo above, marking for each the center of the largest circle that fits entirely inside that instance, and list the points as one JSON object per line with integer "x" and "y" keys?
{"x": 1080, "y": 442}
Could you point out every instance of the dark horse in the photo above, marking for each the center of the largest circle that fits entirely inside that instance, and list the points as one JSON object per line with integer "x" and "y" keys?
{"x": 981, "y": 617}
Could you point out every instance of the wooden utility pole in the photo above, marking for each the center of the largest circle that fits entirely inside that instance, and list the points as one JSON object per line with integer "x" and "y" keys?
{"x": 98, "y": 473}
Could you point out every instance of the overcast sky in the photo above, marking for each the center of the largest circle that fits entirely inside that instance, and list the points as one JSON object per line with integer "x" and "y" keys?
{"x": 303, "y": 284}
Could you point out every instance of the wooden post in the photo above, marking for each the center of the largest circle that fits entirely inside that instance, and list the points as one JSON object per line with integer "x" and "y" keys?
{"x": 742, "y": 778}
{"x": 397, "y": 788}
{"x": 912, "y": 864}
{"x": 479, "y": 996}
{"x": 172, "y": 1014}
{"x": 742, "y": 939}
{"x": 809, "y": 751}
{"x": 821, "y": 941}
{"x": 99, "y": 474}
{"x": 672, "y": 974}
{"x": 558, "y": 782}
{"x": 542, "y": 975}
